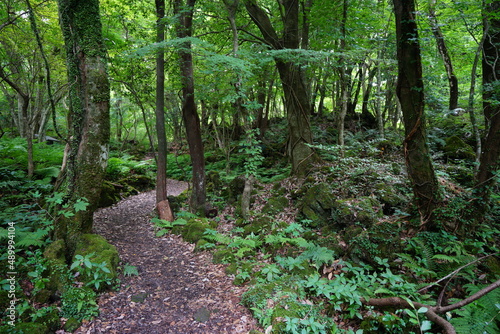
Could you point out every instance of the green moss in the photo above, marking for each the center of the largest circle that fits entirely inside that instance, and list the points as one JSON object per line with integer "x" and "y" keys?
{"x": 51, "y": 320}
{"x": 316, "y": 205}
{"x": 232, "y": 269}
{"x": 56, "y": 252}
{"x": 223, "y": 256}
{"x": 57, "y": 269}
{"x": 195, "y": 228}
{"x": 103, "y": 252}
{"x": 72, "y": 325}
{"x": 28, "y": 328}
{"x": 364, "y": 210}
{"x": 200, "y": 244}
{"x": 456, "y": 148}
{"x": 275, "y": 205}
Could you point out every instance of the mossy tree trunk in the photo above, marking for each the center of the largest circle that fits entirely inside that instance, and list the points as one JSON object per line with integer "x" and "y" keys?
{"x": 295, "y": 90}
{"x": 410, "y": 91}
{"x": 89, "y": 114}
{"x": 490, "y": 154}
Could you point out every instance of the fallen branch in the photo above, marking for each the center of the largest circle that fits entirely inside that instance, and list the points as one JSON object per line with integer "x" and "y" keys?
{"x": 432, "y": 311}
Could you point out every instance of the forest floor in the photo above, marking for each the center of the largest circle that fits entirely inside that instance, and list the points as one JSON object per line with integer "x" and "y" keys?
{"x": 176, "y": 291}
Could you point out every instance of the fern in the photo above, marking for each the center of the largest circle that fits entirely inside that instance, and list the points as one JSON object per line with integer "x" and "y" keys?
{"x": 481, "y": 316}
{"x": 26, "y": 238}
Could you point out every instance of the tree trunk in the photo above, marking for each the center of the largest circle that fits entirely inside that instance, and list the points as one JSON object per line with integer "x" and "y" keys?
{"x": 296, "y": 94}
{"x": 89, "y": 114}
{"x": 189, "y": 112}
{"x": 161, "y": 173}
{"x": 486, "y": 176}
{"x": 410, "y": 91}
{"x": 443, "y": 51}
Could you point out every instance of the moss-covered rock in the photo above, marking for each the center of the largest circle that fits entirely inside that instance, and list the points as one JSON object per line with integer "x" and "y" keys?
{"x": 259, "y": 225}
{"x": 389, "y": 197}
{"x": 195, "y": 229}
{"x": 51, "y": 320}
{"x": 72, "y": 325}
{"x": 102, "y": 251}
{"x": 456, "y": 148}
{"x": 213, "y": 182}
{"x": 109, "y": 195}
{"x": 201, "y": 245}
{"x": 223, "y": 255}
{"x": 317, "y": 204}
{"x": 364, "y": 210}
{"x": 380, "y": 240}
{"x": 275, "y": 205}
{"x": 234, "y": 189}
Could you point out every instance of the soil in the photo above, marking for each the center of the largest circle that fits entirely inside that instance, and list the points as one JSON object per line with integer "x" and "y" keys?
{"x": 176, "y": 291}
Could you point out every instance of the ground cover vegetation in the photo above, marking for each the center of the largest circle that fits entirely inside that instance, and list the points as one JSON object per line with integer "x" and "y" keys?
{"x": 342, "y": 156}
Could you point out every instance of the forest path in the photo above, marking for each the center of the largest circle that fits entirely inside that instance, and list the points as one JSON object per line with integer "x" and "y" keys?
{"x": 183, "y": 292}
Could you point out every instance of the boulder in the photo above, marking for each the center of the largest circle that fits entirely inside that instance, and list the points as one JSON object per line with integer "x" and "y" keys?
{"x": 364, "y": 211}
{"x": 456, "y": 148}
{"x": 317, "y": 204}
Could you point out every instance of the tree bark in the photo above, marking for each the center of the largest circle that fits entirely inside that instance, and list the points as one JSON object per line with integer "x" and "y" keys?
{"x": 161, "y": 162}
{"x": 491, "y": 96}
{"x": 410, "y": 91}
{"x": 189, "y": 110}
{"x": 443, "y": 51}
{"x": 89, "y": 113}
{"x": 296, "y": 94}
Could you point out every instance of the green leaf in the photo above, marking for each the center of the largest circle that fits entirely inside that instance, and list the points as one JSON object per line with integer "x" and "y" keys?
{"x": 426, "y": 325}
{"x": 80, "y": 205}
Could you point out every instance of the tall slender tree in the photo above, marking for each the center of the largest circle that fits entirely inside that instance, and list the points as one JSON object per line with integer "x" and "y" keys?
{"x": 487, "y": 174}
{"x": 445, "y": 55}
{"x": 184, "y": 28}
{"x": 161, "y": 174}
{"x": 410, "y": 91}
{"x": 89, "y": 114}
{"x": 295, "y": 88}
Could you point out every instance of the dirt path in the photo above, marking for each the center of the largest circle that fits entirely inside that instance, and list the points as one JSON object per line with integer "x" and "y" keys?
{"x": 184, "y": 292}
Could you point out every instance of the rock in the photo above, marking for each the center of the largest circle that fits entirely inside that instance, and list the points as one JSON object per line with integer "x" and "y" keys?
{"x": 456, "y": 148}
{"x": 364, "y": 210}
{"x": 202, "y": 315}
{"x": 195, "y": 229}
{"x": 72, "y": 325}
{"x": 388, "y": 196}
{"x": 317, "y": 204}
{"x": 275, "y": 205}
{"x": 139, "y": 298}
{"x": 103, "y": 252}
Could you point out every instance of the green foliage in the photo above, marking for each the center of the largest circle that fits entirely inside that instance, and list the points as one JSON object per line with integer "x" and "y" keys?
{"x": 129, "y": 270}
{"x": 95, "y": 274}
{"x": 252, "y": 151}
{"x": 165, "y": 226}
{"x": 126, "y": 165}
{"x": 481, "y": 316}
{"x": 79, "y": 303}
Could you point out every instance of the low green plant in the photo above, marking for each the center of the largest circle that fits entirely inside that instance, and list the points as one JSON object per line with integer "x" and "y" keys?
{"x": 79, "y": 303}
{"x": 251, "y": 148}
{"x": 129, "y": 270}
{"x": 96, "y": 274}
